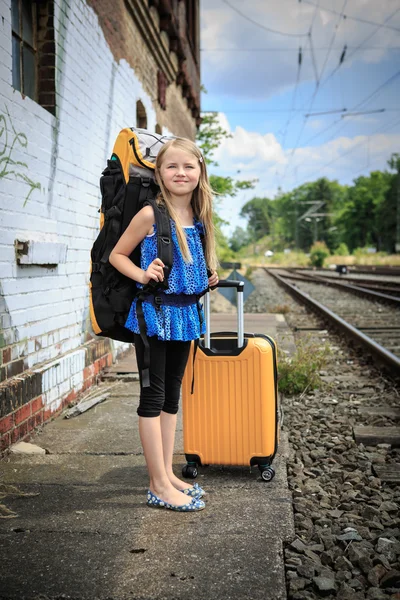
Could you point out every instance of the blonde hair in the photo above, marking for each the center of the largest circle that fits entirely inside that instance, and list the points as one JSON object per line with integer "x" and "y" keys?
{"x": 201, "y": 202}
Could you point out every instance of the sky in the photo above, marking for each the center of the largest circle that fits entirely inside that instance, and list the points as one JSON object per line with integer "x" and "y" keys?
{"x": 268, "y": 98}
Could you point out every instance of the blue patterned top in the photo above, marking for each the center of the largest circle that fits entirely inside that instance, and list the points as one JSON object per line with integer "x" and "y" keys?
{"x": 174, "y": 322}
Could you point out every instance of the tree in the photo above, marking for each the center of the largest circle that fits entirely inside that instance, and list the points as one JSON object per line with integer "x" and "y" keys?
{"x": 240, "y": 238}
{"x": 259, "y": 213}
{"x": 364, "y": 216}
{"x": 209, "y": 138}
{"x": 388, "y": 211}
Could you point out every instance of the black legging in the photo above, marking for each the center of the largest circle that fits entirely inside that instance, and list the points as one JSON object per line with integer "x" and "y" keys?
{"x": 167, "y": 366}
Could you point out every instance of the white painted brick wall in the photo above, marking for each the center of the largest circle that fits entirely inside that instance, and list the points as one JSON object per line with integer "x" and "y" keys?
{"x": 44, "y": 310}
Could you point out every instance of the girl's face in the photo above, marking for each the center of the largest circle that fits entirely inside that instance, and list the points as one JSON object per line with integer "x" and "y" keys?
{"x": 179, "y": 171}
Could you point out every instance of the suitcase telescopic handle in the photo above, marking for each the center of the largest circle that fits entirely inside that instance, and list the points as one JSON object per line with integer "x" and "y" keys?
{"x": 226, "y": 283}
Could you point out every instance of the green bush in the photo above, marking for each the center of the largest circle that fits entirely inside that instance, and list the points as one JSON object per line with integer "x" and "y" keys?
{"x": 318, "y": 253}
{"x": 342, "y": 250}
{"x": 300, "y": 372}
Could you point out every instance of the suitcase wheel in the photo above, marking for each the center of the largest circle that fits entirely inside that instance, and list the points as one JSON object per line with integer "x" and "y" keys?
{"x": 189, "y": 471}
{"x": 267, "y": 473}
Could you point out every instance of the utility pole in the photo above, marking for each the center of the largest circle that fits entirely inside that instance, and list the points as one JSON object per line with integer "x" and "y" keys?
{"x": 312, "y": 215}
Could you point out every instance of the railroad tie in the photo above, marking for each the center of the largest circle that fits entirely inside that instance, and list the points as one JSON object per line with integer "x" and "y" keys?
{"x": 371, "y": 436}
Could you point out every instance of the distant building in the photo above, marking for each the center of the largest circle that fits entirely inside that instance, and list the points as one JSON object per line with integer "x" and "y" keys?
{"x": 72, "y": 74}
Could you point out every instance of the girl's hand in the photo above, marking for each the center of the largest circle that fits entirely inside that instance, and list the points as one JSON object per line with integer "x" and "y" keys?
{"x": 213, "y": 280}
{"x": 154, "y": 271}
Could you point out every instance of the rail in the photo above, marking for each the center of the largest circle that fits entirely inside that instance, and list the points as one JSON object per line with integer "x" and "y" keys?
{"x": 380, "y": 352}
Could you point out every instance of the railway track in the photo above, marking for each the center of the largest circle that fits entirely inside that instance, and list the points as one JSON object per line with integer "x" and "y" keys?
{"x": 344, "y": 467}
{"x": 370, "y": 321}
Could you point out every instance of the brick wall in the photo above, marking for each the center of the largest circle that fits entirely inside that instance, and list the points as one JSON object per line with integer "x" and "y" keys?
{"x": 49, "y": 194}
{"x": 39, "y": 394}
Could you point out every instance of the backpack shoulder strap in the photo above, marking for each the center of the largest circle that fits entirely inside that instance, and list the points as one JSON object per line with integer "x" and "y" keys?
{"x": 165, "y": 253}
{"x": 164, "y": 236}
{"x": 203, "y": 243}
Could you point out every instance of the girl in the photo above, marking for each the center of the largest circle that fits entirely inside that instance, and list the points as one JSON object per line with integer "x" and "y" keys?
{"x": 186, "y": 193}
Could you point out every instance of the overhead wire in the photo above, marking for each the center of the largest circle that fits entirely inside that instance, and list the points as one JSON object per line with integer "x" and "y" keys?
{"x": 324, "y": 82}
{"x": 353, "y": 49}
{"x": 314, "y": 62}
{"x": 312, "y": 54}
{"x": 354, "y": 108}
{"x": 294, "y": 49}
{"x": 299, "y": 62}
{"x": 285, "y": 110}
{"x": 359, "y": 19}
{"x": 389, "y": 125}
{"x": 343, "y": 55}
{"x": 318, "y": 80}
{"x": 247, "y": 18}
{"x": 333, "y": 39}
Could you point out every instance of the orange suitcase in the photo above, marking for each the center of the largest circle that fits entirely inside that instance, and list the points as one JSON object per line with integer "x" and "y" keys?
{"x": 232, "y": 416}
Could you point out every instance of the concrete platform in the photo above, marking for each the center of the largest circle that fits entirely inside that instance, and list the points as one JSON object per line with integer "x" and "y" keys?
{"x": 88, "y": 534}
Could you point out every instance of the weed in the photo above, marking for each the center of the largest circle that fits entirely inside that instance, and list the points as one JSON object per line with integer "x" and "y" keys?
{"x": 11, "y": 490}
{"x": 282, "y": 309}
{"x": 248, "y": 272}
{"x": 300, "y": 372}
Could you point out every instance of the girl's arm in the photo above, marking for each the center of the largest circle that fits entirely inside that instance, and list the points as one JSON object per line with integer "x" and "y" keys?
{"x": 132, "y": 236}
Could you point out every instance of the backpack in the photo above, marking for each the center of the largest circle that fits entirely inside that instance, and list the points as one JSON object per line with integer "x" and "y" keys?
{"x": 127, "y": 184}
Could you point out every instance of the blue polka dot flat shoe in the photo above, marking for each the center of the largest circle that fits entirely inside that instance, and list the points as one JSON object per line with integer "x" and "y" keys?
{"x": 156, "y": 502}
{"x": 195, "y": 492}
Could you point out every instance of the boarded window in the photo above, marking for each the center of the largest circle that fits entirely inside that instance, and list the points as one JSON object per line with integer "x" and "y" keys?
{"x": 141, "y": 117}
{"x": 162, "y": 90}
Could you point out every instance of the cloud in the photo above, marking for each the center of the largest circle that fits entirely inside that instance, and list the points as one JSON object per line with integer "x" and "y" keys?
{"x": 247, "y": 150}
{"x": 342, "y": 157}
{"x": 261, "y": 157}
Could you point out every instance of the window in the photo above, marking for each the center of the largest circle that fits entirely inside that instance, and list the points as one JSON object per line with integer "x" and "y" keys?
{"x": 141, "y": 117}
{"x": 24, "y": 51}
{"x": 33, "y": 51}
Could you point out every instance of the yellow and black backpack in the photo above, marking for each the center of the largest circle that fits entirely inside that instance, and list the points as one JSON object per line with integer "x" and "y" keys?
{"x": 127, "y": 184}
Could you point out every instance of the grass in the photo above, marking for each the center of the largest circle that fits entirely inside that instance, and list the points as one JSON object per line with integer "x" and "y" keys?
{"x": 254, "y": 255}
{"x": 360, "y": 258}
{"x": 300, "y": 372}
